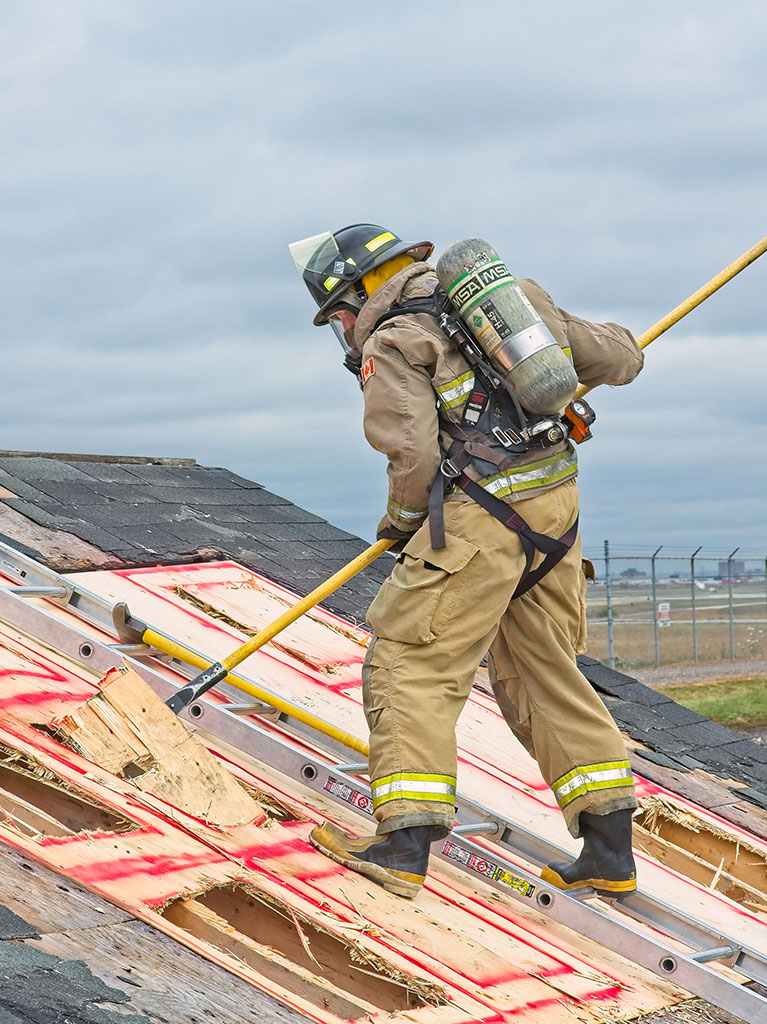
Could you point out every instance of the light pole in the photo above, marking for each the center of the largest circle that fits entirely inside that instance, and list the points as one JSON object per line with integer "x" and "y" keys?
{"x": 692, "y": 590}
{"x": 655, "y": 607}
{"x": 610, "y": 651}
{"x": 729, "y": 593}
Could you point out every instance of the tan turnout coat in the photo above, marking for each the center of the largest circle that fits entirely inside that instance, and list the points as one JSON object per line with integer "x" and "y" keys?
{"x": 408, "y": 360}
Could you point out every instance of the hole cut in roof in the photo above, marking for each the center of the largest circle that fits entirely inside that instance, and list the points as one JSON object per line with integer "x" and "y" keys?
{"x": 344, "y": 979}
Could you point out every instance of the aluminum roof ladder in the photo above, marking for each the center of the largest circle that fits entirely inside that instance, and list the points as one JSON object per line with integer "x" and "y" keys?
{"x": 273, "y": 737}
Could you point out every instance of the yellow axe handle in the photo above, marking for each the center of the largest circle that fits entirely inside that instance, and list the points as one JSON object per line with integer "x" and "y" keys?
{"x": 695, "y": 300}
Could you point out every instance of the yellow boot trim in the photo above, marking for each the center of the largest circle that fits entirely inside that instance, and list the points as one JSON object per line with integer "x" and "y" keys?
{"x": 341, "y": 847}
{"x": 600, "y": 884}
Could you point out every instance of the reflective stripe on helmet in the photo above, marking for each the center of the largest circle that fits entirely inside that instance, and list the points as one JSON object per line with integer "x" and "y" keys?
{"x": 553, "y": 470}
{"x": 455, "y": 391}
{"x": 379, "y": 240}
{"x": 413, "y": 786}
{"x": 592, "y": 778}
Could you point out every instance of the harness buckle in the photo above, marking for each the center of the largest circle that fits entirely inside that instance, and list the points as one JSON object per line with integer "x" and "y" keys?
{"x": 449, "y": 470}
{"x": 508, "y": 437}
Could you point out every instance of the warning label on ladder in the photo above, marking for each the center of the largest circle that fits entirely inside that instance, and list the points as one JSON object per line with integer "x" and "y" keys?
{"x": 487, "y": 868}
{"x": 350, "y": 795}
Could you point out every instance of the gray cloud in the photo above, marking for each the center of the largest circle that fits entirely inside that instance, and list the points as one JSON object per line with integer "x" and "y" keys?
{"x": 159, "y": 158}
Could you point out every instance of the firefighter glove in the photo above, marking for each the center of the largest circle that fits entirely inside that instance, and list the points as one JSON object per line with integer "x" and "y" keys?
{"x": 386, "y": 531}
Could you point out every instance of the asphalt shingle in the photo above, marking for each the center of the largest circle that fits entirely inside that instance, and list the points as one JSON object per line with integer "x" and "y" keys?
{"x": 36, "y": 468}
{"x": 14, "y": 927}
{"x": 41, "y": 988}
{"x": 146, "y": 512}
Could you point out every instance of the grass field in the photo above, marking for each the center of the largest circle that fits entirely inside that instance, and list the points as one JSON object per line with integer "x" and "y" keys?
{"x": 634, "y": 624}
{"x": 736, "y": 703}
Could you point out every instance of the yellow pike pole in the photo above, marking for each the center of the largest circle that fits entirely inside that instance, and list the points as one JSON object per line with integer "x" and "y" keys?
{"x": 695, "y": 299}
{"x": 217, "y": 672}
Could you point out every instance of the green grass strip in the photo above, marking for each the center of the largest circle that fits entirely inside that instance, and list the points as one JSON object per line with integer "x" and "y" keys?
{"x": 736, "y": 703}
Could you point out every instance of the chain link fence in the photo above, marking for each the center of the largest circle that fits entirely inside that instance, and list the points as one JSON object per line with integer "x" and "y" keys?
{"x": 663, "y": 607}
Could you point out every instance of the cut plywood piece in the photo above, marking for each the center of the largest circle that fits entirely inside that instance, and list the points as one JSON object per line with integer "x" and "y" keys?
{"x": 315, "y": 963}
{"x": 697, "y": 846}
{"x": 496, "y": 959}
{"x": 128, "y": 730}
{"x": 492, "y": 959}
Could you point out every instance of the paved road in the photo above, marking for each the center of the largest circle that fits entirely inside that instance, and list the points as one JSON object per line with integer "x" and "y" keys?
{"x": 693, "y": 672}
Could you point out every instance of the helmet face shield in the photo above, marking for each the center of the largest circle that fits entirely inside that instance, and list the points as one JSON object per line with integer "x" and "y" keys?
{"x": 325, "y": 270}
{"x": 342, "y": 321}
{"x": 315, "y": 253}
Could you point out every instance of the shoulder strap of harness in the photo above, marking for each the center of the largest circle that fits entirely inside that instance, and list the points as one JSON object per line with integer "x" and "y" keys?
{"x": 429, "y": 304}
{"x": 434, "y": 305}
{"x": 552, "y": 548}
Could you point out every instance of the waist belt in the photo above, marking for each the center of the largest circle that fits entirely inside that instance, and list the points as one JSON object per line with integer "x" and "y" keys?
{"x": 552, "y": 548}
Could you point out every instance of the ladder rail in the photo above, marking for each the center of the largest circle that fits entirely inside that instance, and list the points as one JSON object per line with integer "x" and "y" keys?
{"x": 521, "y": 841}
{"x": 689, "y": 971}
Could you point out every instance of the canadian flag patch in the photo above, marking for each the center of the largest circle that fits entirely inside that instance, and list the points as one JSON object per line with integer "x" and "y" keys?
{"x": 368, "y": 369}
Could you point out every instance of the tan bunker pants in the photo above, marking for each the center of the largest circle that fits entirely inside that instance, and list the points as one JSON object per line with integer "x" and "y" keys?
{"x": 434, "y": 619}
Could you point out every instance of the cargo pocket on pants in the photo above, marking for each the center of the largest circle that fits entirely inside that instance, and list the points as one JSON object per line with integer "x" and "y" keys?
{"x": 587, "y": 573}
{"x": 405, "y": 607}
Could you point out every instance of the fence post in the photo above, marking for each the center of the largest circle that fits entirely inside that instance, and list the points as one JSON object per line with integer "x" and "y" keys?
{"x": 610, "y": 650}
{"x": 692, "y": 590}
{"x": 729, "y": 593}
{"x": 655, "y": 607}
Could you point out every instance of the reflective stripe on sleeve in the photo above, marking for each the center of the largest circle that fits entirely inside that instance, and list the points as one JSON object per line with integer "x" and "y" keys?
{"x": 552, "y": 470}
{"x": 402, "y": 512}
{"x": 592, "y": 778}
{"x": 413, "y": 786}
{"x": 455, "y": 391}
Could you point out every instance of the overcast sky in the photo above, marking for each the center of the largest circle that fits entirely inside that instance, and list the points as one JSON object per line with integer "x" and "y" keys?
{"x": 158, "y": 157}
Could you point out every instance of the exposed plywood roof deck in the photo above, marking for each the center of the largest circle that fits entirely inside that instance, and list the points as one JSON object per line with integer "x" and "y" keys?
{"x": 459, "y": 937}
{"x": 459, "y": 945}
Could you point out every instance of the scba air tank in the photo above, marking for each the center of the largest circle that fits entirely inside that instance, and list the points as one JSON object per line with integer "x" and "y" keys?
{"x": 500, "y": 316}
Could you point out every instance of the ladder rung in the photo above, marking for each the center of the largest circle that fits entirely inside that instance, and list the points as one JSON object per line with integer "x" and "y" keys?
{"x": 254, "y": 708}
{"x": 719, "y": 953}
{"x": 352, "y": 769}
{"x": 479, "y": 828}
{"x": 52, "y": 591}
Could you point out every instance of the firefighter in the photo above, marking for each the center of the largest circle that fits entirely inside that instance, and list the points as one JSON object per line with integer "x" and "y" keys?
{"x": 450, "y": 601}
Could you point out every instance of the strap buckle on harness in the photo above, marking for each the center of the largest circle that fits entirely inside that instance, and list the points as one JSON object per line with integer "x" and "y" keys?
{"x": 508, "y": 437}
{"x": 448, "y": 469}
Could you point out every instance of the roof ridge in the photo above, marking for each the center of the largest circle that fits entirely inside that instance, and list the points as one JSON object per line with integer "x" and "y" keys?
{"x": 86, "y": 457}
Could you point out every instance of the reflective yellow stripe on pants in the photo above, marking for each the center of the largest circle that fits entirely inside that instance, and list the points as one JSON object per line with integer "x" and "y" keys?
{"x": 592, "y": 778}
{"x": 413, "y": 786}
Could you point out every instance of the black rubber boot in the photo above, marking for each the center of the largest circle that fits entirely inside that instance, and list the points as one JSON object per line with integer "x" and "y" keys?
{"x": 398, "y": 860}
{"x": 606, "y": 862}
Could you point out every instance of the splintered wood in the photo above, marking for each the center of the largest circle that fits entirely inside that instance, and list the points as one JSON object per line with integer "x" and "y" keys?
{"x": 128, "y": 730}
{"x": 256, "y": 898}
{"x": 693, "y": 844}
